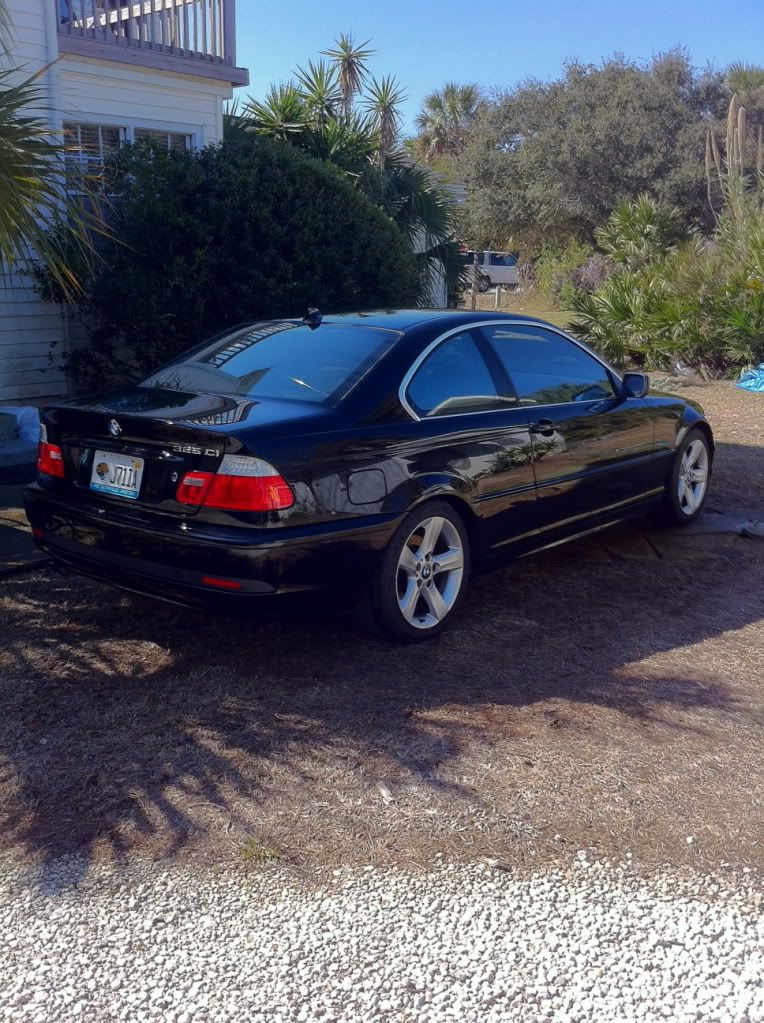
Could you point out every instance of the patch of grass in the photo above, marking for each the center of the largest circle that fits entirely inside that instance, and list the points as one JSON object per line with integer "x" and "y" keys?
{"x": 258, "y": 852}
{"x": 528, "y": 303}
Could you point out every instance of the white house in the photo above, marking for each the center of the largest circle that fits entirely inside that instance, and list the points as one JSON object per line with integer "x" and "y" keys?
{"x": 118, "y": 70}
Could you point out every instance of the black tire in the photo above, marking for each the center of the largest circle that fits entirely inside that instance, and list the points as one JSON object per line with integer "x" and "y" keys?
{"x": 484, "y": 283}
{"x": 384, "y": 594}
{"x": 676, "y": 510}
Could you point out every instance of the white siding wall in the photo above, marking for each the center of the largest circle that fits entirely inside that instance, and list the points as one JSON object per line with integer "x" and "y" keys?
{"x": 102, "y": 92}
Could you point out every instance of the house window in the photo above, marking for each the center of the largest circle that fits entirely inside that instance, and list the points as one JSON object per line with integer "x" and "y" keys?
{"x": 88, "y": 147}
{"x": 165, "y": 139}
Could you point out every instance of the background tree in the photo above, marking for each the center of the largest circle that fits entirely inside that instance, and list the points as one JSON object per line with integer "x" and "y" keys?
{"x": 549, "y": 161}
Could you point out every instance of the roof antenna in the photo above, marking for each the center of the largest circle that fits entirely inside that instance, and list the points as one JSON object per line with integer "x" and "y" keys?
{"x": 313, "y": 318}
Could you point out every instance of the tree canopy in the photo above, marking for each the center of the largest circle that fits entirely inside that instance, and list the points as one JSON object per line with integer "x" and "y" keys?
{"x": 549, "y": 161}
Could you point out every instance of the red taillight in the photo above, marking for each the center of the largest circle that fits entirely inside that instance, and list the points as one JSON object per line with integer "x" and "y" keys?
{"x": 221, "y": 584}
{"x": 241, "y": 484}
{"x": 50, "y": 459}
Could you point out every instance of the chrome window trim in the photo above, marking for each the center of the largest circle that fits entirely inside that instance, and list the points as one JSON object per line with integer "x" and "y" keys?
{"x": 492, "y": 323}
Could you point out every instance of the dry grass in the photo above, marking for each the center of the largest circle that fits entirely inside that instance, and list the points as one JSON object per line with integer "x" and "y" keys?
{"x": 529, "y": 303}
{"x": 585, "y": 700}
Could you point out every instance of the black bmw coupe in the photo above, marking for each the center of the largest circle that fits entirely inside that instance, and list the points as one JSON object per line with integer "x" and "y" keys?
{"x": 381, "y": 456}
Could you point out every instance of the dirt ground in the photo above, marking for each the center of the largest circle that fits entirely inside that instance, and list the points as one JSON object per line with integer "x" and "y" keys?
{"x": 607, "y": 695}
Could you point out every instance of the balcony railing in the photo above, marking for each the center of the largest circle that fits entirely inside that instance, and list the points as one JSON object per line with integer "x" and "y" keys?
{"x": 154, "y": 32}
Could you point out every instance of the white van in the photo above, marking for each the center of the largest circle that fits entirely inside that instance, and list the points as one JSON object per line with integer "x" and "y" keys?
{"x": 494, "y": 268}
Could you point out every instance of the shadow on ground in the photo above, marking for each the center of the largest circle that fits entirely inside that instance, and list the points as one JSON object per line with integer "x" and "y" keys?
{"x": 131, "y": 725}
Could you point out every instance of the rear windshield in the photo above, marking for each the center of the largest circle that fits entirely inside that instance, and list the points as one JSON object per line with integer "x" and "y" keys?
{"x": 286, "y": 361}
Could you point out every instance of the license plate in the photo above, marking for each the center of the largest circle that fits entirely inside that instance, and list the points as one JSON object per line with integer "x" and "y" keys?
{"x": 116, "y": 474}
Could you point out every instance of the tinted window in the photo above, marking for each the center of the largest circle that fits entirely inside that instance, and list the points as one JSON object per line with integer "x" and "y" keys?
{"x": 547, "y": 369}
{"x": 279, "y": 360}
{"x": 454, "y": 378}
{"x": 503, "y": 259}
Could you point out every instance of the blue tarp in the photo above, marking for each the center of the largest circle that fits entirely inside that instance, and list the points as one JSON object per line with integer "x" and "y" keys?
{"x": 752, "y": 379}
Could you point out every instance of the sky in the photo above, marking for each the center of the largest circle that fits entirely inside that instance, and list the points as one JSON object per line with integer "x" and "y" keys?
{"x": 497, "y": 44}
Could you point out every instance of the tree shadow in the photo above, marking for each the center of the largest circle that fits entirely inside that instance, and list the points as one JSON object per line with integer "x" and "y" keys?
{"x": 126, "y": 723}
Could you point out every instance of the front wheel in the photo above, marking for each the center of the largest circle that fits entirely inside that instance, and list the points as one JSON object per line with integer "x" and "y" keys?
{"x": 420, "y": 583}
{"x": 688, "y": 484}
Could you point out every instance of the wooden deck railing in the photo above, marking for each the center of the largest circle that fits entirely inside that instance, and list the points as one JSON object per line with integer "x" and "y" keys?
{"x": 193, "y": 29}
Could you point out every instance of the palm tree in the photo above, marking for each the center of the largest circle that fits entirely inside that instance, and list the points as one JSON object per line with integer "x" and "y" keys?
{"x": 383, "y": 104}
{"x": 445, "y": 118}
{"x": 350, "y": 62}
{"x": 411, "y": 196}
{"x": 39, "y": 222}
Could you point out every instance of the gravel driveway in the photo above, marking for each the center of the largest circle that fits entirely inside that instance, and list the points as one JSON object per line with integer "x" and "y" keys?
{"x": 594, "y": 943}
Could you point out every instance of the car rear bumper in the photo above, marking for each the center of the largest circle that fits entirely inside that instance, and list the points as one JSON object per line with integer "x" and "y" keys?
{"x": 194, "y": 566}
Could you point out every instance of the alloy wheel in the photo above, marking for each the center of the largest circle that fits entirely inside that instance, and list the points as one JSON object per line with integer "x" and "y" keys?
{"x": 430, "y": 572}
{"x": 693, "y": 477}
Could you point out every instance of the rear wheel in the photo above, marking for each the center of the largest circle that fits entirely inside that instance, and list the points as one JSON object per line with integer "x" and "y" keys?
{"x": 688, "y": 484}
{"x": 420, "y": 583}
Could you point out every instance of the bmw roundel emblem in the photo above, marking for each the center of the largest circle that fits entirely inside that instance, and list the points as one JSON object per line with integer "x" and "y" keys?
{"x": 114, "y": 428}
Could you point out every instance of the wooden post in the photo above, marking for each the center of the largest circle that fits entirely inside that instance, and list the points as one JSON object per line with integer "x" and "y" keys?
{"x": 497, "y": 298}
{"x": 474, "y": 291}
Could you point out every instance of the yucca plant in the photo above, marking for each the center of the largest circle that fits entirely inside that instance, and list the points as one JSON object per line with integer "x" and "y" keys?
{"x": 383, "y": 105}
{"x": 362, "y": 139}
{"x": 282, "y": 115}
{"x": 350, "y": 61}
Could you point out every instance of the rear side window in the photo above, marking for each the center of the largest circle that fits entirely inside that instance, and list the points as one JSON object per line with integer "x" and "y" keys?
{"x": 546, "y": 368}
{"x": 503, "y": 259}
{"x": 454, "y": 378}
{"x": 281, "y": 360}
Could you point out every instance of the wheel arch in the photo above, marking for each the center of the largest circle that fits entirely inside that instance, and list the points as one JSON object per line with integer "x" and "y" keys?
{"x": 464, "y": 509}
{"x": 689, "y": 424}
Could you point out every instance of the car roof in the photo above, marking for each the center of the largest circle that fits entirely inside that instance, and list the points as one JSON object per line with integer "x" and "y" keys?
{"x": 405, "y": 319}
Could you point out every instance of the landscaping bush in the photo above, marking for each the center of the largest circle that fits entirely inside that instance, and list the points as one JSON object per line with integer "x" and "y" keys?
{"x": 245, "y": 230}
{"x": 699, "y": 301}
{"x": 563, "y": 273}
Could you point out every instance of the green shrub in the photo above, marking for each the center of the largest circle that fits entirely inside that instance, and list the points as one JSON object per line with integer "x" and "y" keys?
{"x": 245, "y": 230}
{"x": 564, "y": 273}
{"x": 700, "y": 302}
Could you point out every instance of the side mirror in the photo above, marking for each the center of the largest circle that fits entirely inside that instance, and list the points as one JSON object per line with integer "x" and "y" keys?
{"x": 635, "y": 385}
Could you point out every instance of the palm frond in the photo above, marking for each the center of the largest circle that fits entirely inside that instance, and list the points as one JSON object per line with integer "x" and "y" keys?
{"x": 281, "y": 115}
{"x": 350, "y": 59}
{"x": 319, "y": 88}
{"x": 383, "y": 101}
{"x": 39, "y": 220}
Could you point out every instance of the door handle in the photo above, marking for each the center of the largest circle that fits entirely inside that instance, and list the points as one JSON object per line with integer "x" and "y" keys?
{"x": 544, "y": 426}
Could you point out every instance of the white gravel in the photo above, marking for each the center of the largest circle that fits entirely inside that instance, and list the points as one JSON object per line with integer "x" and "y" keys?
{"x": 593, "y": 943}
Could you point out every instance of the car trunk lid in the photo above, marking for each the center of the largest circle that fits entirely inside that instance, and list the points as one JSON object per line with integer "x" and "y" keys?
{"x": 136, "y": 448}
